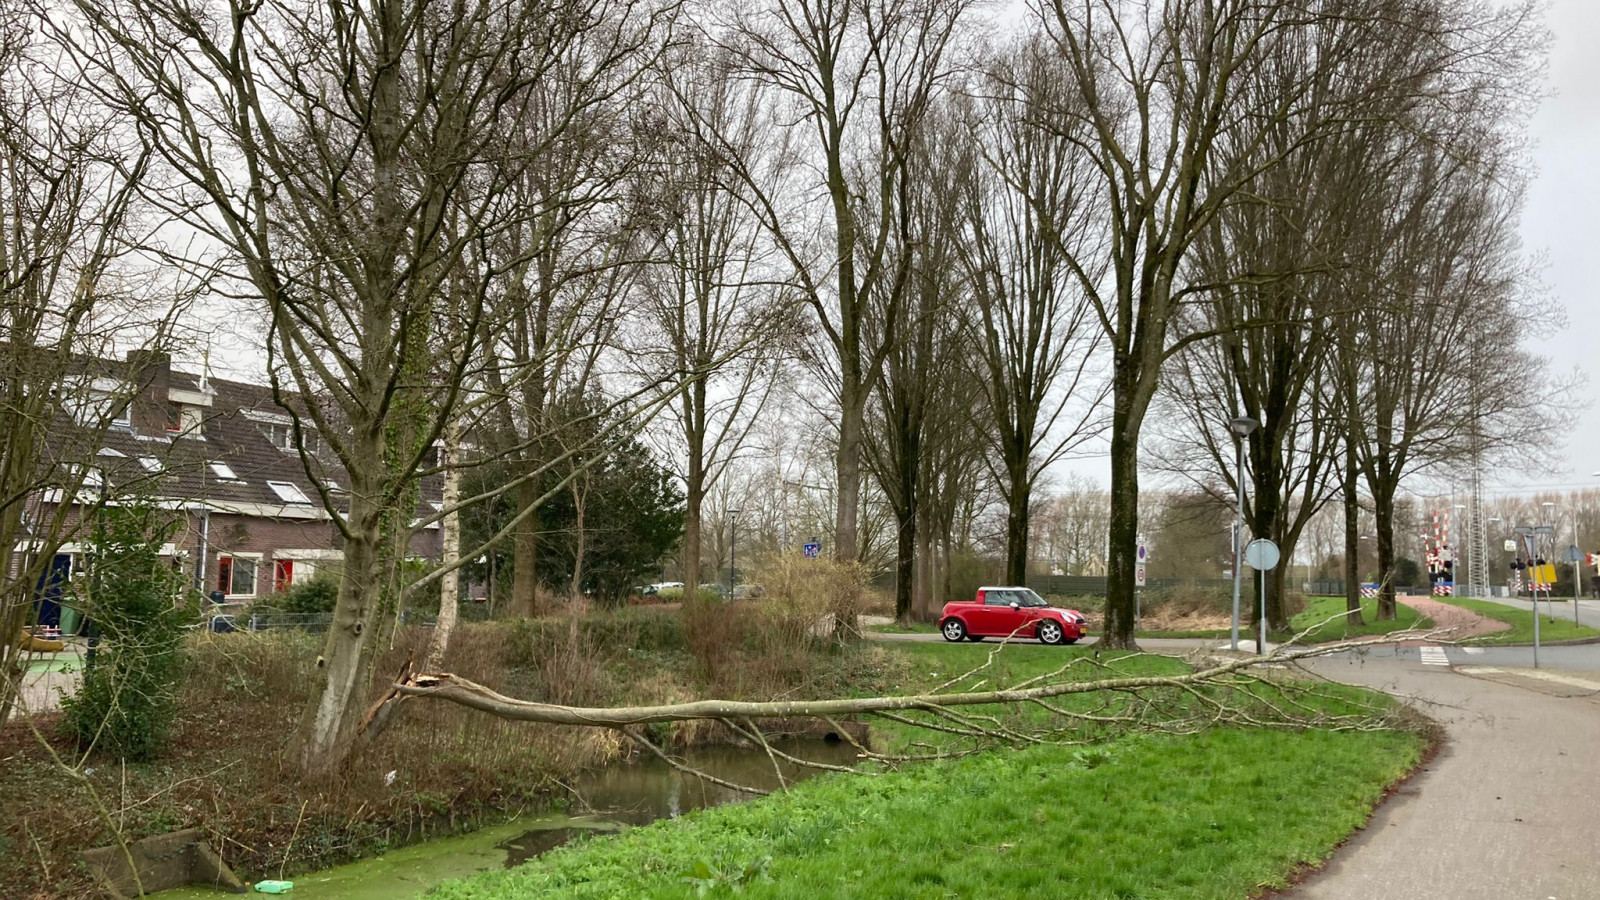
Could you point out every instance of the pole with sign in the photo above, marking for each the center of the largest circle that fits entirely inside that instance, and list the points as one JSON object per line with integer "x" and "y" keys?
{"x": 1262, "y": 555}
{"x": 1574, "y": 556}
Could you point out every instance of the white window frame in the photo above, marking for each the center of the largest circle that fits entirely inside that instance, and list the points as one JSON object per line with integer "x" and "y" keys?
{"x": 289, "y": 492}
{"x": 151, "y": 464}
{"x": 255, "y": 573}
{"x": 224, "y": 472}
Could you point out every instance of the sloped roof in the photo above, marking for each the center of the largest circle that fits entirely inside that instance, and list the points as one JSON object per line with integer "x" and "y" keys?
{"x": 231, "y": 434}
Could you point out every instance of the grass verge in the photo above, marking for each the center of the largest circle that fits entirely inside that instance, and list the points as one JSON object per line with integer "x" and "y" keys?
{"x": 930, "y": 628}
{"x": 1326, "y": 614}
{"x": 1521, "y": 622}
{"x": 1222, "y": 814}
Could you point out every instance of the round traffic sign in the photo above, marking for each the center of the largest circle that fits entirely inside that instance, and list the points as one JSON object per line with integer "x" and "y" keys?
{"x": 1261, "y": 554}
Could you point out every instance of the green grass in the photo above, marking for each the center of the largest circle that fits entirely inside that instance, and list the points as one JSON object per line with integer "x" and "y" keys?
{"x": 1333, "y": 627}
{"x": 913, "y": 628}
{"x": 1220, "y": 814}
{"x": 1521, "y": 622}
{"x": 1217, "y": 815}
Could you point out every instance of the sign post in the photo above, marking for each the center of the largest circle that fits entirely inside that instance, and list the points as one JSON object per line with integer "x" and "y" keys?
{"x": 1574, "y": 556}
{"x": 1138, "y": 581}
{"x": 1262, "y": 555}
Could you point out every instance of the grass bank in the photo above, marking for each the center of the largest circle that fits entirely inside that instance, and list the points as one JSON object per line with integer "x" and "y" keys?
{"x": 1326, "y": 617}
{"x": 1220, "y": 814}
{"x": 1521, "y": 622}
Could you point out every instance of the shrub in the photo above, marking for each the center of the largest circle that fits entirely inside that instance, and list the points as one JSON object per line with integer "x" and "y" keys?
{"x": 318, "y": 595}
{"x": 127, "y": 697}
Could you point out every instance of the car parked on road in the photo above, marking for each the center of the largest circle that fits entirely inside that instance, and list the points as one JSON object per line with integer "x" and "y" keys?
{"x": 1002, "y": 611}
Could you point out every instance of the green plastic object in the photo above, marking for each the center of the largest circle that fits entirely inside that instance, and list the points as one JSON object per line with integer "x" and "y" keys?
{"x": 274, "y": 887}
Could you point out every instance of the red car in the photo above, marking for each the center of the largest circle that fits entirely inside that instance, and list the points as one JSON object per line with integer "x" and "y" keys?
{"x": 1010, "y": 612}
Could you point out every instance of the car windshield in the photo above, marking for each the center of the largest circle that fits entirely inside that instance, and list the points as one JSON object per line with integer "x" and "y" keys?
{"x": 1029, "y": 598}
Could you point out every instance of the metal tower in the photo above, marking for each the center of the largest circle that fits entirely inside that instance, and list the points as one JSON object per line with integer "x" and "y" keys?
{"x": 1477, "y": 539}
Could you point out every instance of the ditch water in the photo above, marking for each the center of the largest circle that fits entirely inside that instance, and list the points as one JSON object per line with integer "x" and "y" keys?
{"x": 607, "y": 800}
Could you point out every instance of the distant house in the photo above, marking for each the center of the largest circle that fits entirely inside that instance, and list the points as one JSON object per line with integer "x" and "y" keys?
{"x": 224, "y": 455}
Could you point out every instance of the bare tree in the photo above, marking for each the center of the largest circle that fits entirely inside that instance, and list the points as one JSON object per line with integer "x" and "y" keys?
{"x": 1031, "y": 200}
{"x": 860, "y": 76}
{"x": 79, "y": 275}
{"x": 714, "y": 305}
{"x": 349, "y": 155}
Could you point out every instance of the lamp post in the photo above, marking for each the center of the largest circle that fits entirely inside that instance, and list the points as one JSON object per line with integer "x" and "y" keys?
{"x": 733, "y": 545}
{"x": 1241, "y": 428}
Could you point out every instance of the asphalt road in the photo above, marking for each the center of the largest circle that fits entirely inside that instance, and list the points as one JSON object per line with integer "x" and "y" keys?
{"x": 1506, "y": 810}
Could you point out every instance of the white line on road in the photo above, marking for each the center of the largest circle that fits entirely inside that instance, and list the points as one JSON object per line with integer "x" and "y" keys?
{"x": 1474, "y": 650}
{"x": 1434, "y": 656}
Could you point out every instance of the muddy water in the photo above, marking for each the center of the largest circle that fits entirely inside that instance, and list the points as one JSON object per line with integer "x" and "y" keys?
{"x": 606, "y": 800}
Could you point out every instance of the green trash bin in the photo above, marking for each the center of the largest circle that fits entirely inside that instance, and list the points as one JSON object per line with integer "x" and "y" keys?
{"x": 70, "y": 620}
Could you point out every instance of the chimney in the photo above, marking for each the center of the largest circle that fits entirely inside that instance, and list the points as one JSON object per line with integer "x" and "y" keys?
{"x": 150, "y": 373}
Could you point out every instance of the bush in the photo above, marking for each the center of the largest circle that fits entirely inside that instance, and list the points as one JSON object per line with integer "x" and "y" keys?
{"x": 127, "y": 698}
{"x": 318, "y": 595}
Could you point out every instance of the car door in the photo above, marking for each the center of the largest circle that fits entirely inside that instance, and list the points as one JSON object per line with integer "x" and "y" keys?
{"x": 999, "y": 616}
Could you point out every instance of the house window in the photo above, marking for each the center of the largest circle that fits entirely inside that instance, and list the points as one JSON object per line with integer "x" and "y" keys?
{"x": 182, "y": 418}
{"x": 236, "y": 575}
{"x": 150, "y": 463}
{"x": 223, "y": 471}
{"x": 279, "y": 434}
{"x": 289, "y": 493}
{"x": 282, "y": 574}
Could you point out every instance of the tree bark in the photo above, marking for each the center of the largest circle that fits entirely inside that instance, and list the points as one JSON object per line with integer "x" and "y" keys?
{"x": 1017, "y": 501}
{"x": 1352, "y": 542}
{"x": 1383, "y": 509}
{"x": 525, "y": 554}
{"x": 1124, "y": 526}
{"x": 450, "y": 548}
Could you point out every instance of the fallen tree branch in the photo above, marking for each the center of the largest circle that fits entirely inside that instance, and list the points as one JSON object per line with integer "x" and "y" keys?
{"x": 467, "y": 693}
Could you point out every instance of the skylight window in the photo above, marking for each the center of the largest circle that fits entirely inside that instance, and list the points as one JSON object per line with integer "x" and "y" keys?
{"x": 223, "y": 471}
{"x": 150, "y": 463}
{"x": 289, "y": 493}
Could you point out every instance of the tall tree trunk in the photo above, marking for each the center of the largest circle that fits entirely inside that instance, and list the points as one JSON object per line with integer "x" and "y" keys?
{"x": 450, "y": 549}
{"x": 525, "y": 554}
{"x": 847, "y": 467}
{"x": 1123, "y": 530}
{"x": 580, "y": 537}
{"x": 339, "y": 686}
{"x": 1268, "y": 502}
{"x": 1383, "y": 509}
{"x": 1017, "y": 500}
{"x": 922, "y": 590}
{"x": 1352, "y": 542}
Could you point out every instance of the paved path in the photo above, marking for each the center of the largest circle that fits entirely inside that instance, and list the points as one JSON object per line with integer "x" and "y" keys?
{"x": 1506, "y": 810}
{"x": 1459, "y": 622}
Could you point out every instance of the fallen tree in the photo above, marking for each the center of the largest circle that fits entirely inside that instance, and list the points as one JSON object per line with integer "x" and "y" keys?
{"x": 1250, "y": 691}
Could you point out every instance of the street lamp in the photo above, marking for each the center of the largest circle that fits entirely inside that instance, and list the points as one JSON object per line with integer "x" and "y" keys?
{"x": 733, "y": 545}
{"x": 1241, "y": 427}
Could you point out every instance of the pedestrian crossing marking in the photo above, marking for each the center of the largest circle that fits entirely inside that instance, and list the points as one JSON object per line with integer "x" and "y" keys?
{"x": 1434, "y": 656}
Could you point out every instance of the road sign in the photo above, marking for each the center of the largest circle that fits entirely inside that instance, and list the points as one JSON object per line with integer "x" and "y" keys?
{"x": 1511, "y": 546}
{"x": 1573, "y": 554}
{"x": 1138, "y": 574}
{"x": 1144, "y": 552}
{"x": 813, "y": 550}
{"x": 1261, "y": 554}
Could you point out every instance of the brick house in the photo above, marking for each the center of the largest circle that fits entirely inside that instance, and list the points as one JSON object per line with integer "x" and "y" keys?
{"x": 223, "y": 455}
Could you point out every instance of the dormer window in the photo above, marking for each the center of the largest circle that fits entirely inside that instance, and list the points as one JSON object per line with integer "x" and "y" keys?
{"x": 183, "y": 418}
{"x": 279, "y": 434}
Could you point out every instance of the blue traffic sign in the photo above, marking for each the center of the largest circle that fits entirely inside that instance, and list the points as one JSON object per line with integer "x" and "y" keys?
{"x": 813, "y": 550}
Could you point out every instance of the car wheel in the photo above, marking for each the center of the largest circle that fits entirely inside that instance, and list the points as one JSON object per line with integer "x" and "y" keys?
{"x": 1050, "y": 632}
{"x": 953, "y": 629}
